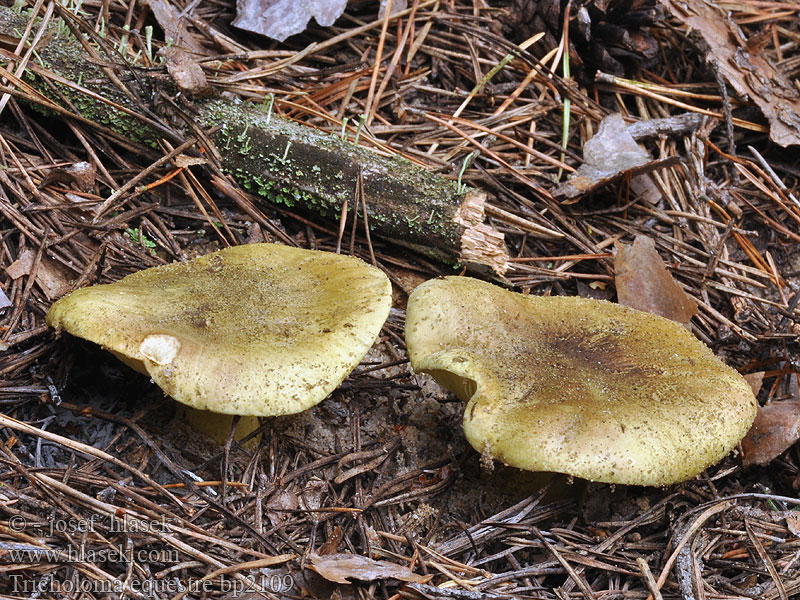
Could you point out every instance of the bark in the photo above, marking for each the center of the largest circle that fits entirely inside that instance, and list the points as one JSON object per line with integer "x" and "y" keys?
{"x": 278, "y": 160}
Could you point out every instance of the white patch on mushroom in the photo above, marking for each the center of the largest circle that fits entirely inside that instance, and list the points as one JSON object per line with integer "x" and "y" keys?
{"x": 160, "y": 348}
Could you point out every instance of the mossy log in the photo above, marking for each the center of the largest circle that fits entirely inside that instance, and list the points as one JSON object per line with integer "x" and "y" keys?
{"x": 277, "y": 159}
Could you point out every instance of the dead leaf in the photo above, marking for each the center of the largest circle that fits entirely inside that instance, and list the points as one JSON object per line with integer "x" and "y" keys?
{"x": 184, "y": 160}
{"x": 51, "y": 277}
{"x": 741, "y": 64}
{"x": 643, "y": 188}
{"x": 279, "y": 505}
{"x": 4, "y": 301}
{"x": 609, "y": 155}
{"x": 186, "y": 73}
{"x": 21, "y": 266}
{"x": 338, "y": 567}
{"x": 82, "y": 174}
{"x": 174, "y": 26}
{"x": 643, "y": 282}
{"x": 313, "y": 493}
{"x": 332, "y": 544}
{"x": 776, "y": 428}
{"x": 793, "y": 523}
{"x": 406, "y": 281}
{"x": 397, "y": 6}
{"x": 755, "y": 380}
{"x": 279, "y": 19}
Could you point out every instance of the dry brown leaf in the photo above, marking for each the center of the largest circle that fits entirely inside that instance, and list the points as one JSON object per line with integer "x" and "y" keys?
{"x": 609, "y": 155}
{"x": 82, "y": 174}
{"x": 174, "y": 26}
{"x": 184, "y": 160}
{"x": 743, "y": 66}
{"x": 755, "y": 380}
{"x": 21, "y": 266}
{"x": 643, "y": 282}
{"x": 332, "y": 544}
{"x": 793, "y": 523}
{"x": 338, "y": 567}
{"x": 776, "y": 428}
{"x": 280, "y": 505}
{"x": 405, "y": 281}
{"x": 186, "y": 73}
{"x": 50, "y": 276}
{"x": 313, "y": 493}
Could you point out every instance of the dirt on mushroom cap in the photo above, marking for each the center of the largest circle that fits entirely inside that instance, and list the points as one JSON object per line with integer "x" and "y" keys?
{"x": 571, "y": 385}
{"x": 261, "y": 329}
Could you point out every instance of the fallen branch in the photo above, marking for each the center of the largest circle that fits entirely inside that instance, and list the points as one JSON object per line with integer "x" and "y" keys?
{"x": 279, "y": 160}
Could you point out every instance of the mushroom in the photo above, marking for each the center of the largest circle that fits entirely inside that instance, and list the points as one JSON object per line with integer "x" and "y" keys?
{"x": 577, "y": 386}
{"x": 259, "y": 330}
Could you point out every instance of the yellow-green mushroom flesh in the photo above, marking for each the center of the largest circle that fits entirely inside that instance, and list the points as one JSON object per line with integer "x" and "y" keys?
{"x": 577, "y": 386}
{"x": 254, "y": 330}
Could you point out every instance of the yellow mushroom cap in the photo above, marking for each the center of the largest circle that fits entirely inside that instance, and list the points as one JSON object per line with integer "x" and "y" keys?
{"x": 577, "y": 386}
{"x": 261, "y": 329}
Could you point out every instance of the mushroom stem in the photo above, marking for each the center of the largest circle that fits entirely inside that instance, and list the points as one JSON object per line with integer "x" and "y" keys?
{"x": 218, "y": 426}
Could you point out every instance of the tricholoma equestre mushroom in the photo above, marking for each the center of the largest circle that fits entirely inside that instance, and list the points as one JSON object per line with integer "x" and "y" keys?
{"x": 577, "y": 386}
{"x": 260, "y": 329}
